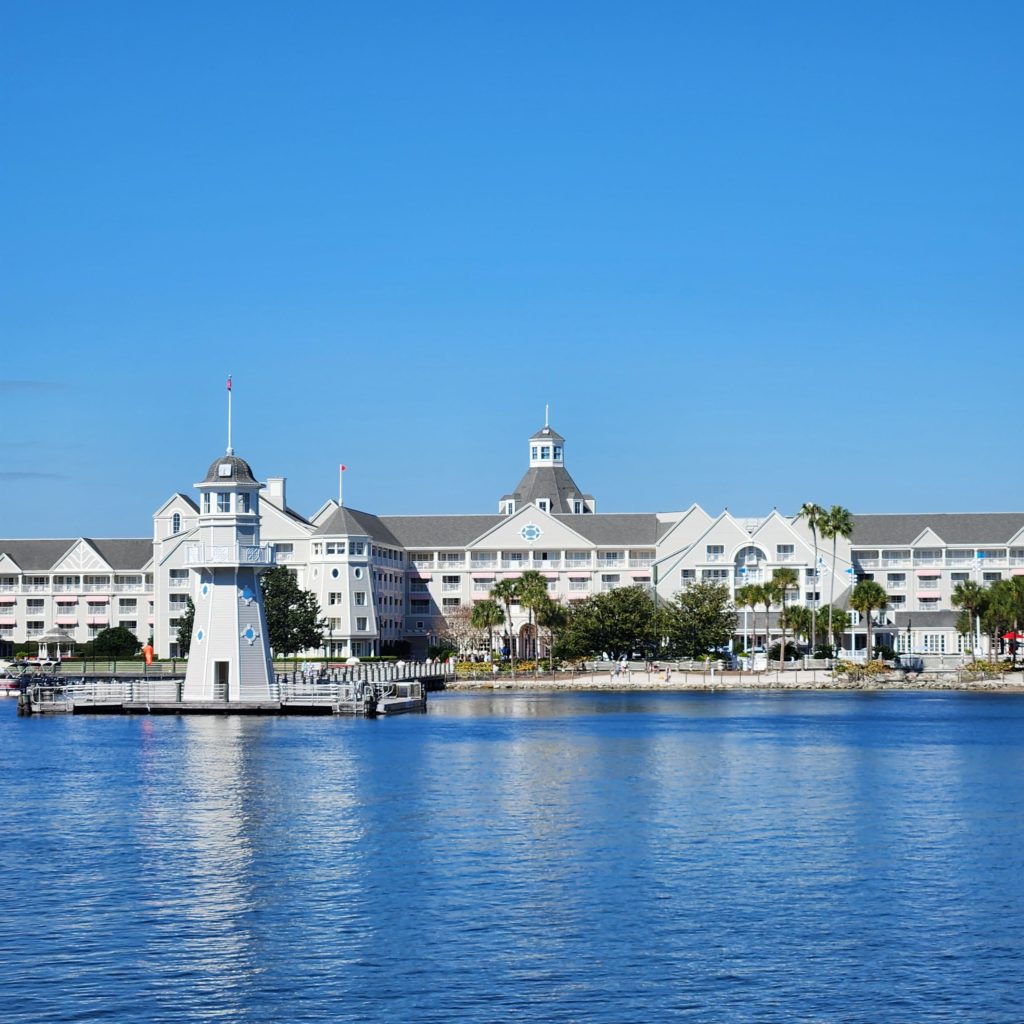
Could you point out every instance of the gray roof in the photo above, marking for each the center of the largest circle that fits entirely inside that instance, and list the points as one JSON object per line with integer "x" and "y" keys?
{"x": 547, "y": 434}
{"x": 618, "y": 529}
{"x": 967, "y": 528}
{"x": 922, "y": 620}
{"x": 240, "y": 471}
{"x": 439, "y": 531}
{"x": 344, "y": 522}
{"x": 551, "y": 482}
{"x": 129, "y": 554}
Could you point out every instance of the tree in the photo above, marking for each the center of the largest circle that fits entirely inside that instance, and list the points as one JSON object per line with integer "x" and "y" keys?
{"x": 836, "y": 523}
{"x": 293, "y": 614}
{"x": 486, "y": 615}
{"x": 533, "y": 592}
{"x": 866, "y": 597}
{"x": 118, "y": 642}
{"x": 461, "y": 631}
{"x": 698, "y": 619}
{"x": 766, "y": 596}
{"x": 506, "y": 594}
{"x": 970, "y": 596}
{"x": 840, "y": 623}
{"x": 552, "y": 617}
{"x": 747, "y": 597}
{"x": 783, "y": 581}
{"x": 813, "y": 515}
{"x": 799, "y": 618}
{"x": 617, "y": 623}
{"x": 185, "y": 625}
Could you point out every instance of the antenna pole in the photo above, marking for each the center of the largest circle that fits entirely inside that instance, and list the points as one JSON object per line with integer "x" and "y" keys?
{"x": 545, "y": 415}
{"x": 230, "y": 449}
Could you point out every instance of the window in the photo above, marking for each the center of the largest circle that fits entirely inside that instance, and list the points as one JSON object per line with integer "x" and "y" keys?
{"x": 991, "y": 577}
{"x": 356, "y": 547}
{"x": 131, "y": 624}
{"x": 545, "y": 453}
{"x": 451, "y": 602}
{"x": 335, "y": 597}
{"x": 361, "y": 624}
{"x": 577, "y": 507}
{"x": 543, "y": 504}
{"x": 687, "y": 575}
{"x": 784, "y": 552}
{"x": 335, "y": 547}
{"x": 126, "y": 605}
{"x": 715, "y": 552}
{"x": 958, "y": 577}
{"x": 558, "y": 452}
{"x": 358, "y": 573}
{"x": 176, "y": 523}
{"x": 243, "y": 502}
{"x": 510, "y": 507}
{"x": 897, "y": 601}
{"x": 223, "y": 502}
{"x": 533, "y": 453}
{"x": 360, "y": 597}
{"x": 206, "y": 502}
{"x": 35, "y": 607}
{"x": 896, "y": 580}
{"x": 933, "y": 643}
{"x": 318, "y": 549}
{"x": 714, "y": 574}
{"x": 419, "y": 606}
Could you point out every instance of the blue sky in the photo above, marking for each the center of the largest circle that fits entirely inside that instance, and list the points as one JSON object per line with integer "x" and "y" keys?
{"x": 751, "y": 254}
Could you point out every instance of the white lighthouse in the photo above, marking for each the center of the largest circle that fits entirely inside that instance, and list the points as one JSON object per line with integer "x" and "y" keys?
{"x": 229, "y": 658}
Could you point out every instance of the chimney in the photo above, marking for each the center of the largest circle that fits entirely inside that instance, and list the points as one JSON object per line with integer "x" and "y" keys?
{"x": 275, "y": 492}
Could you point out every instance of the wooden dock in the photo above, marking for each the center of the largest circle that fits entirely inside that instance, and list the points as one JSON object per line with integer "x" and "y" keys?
{"x": 145, "y": 697}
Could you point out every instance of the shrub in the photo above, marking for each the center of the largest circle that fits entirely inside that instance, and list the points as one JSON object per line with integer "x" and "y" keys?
{"x": 792, "y": 652}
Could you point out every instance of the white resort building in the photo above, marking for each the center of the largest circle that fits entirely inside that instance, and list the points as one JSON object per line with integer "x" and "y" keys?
{"x": 384, "y": 579}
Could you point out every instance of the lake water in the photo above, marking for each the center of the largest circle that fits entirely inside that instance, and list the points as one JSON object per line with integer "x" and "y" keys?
{"x": 561, "y": 857}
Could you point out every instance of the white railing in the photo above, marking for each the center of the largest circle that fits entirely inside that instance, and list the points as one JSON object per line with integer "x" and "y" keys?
{"x": 546, "y": 563}
{"x": 285, "y": 556}
{"x": 715, "y": 556}
{"x": 177, "y": 583}
{"x": 896, "y": 585}
{"x": 514, "y": 563}
{"x": 578, "y": 587}
{"x": 483, "y": 563}
{"x": 578, "y": 563}
{"x": 127, "y": 588}
{"x": 35, "y": 588}
{"x": 230, "y": 554}
{"x": 641, "y": 563}
{"x": 8, "y": 588}
{"x": 927, "y": 562}
{"x": 451, "y": 588}
{"x": 96, "y": 588}
{"x": 867, "y": 563}
{"x": 611, "y": 563}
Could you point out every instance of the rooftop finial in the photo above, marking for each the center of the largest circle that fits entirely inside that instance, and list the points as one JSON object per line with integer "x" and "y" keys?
{"x": 231, "y": 450}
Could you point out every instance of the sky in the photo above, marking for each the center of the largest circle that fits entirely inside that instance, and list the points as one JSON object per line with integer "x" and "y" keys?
{"x": 750, "y": 254}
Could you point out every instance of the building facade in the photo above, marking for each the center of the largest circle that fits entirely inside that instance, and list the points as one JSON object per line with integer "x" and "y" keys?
{"x": 384, "y": 579}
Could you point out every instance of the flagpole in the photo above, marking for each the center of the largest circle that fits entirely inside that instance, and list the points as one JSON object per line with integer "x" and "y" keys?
{"x": 230, "y": 449}
{"x": 341, "y": 477}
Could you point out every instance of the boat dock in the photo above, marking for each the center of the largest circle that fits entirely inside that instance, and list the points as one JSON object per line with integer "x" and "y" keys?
{"x": 375, "y": 691}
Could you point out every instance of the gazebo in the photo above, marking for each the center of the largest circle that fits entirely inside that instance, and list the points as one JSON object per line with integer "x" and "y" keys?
{"x": 55, "y": 638}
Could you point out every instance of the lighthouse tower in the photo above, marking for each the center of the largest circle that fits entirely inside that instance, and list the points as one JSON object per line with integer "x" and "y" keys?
{"x": 229, "y": 658}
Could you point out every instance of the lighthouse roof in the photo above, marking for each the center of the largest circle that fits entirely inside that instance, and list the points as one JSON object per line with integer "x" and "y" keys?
{"x": 229, "y": 469}
{"x": 547, "y": 434}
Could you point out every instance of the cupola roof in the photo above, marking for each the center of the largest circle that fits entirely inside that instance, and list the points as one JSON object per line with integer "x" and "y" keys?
{"x": 229, "y": 469}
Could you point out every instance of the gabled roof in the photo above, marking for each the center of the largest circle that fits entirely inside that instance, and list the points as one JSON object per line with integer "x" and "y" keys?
{"x": 183, "y": 497}
{"x": 128, "y": 554}
{"x": 618, "y": 529}
{"x": 550, "y": 482}
{"x": 343, "y": 522}
{"x": 953, "y": 527}
{"x": 924, "y": 620}
{"x": 440, "y": 531}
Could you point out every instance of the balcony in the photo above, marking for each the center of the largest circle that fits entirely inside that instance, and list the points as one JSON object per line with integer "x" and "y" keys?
{"x": 515, "y": 563}
{"x": 641, "y": 563}
{"x": 575, "y": 587}
{"x": 451, "y": 588}
{"x": 177, "y": 583}
{"x": 35, "y": 588}
{"x": 544, "y": 564}
{"x": 611, "y": 563}
{"x": 230, "y": 554}
{"x": 128, "y": 588}
{"x": 578, "y": 563}
{"x": 8, "y": 588}
{"x": 484, "y": 563}
{"x": 867, "y": 563}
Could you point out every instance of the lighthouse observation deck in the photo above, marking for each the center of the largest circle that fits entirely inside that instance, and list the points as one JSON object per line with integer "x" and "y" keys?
{"x": 230, "y": 554}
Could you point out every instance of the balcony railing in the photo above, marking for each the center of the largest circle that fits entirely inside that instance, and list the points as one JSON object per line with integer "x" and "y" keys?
{"x": 611, "y": 563}
{"x": 867, "y": 563}
{"x": 230, "y": 554}
{"x": 177, "y": 583}
{"x": 641, "y": 563}
{"x": 543, "y": 564}
{"x": 515, "y": 563}
{"x": 577, "y": 587}
{"x": 128, "y": 588}
{"x": 578, "y": 563}
{"x": 483, "y": 563}
{"x": 8, "y": 588}
{"x": 451, "y": 588}
{"x": 35, "y": 588}
{"x": 95, "y": 588}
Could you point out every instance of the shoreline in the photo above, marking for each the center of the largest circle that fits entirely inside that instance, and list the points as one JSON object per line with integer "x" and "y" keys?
{"x": 639, "y": 682}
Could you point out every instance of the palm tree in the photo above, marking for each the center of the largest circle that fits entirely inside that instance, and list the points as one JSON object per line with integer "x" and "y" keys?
{"x": 813, "y": 515}
{"x": 866, "y": 597}
{"x": 837, "y": 522}
{"x": 783, "y": 580}
{"x": 506, "y": 593}
{"x": 766, "y": 595}
{"x": 552, "y": 616}
{"x": 486, "y": 615}
{"x": 798, "y": 619}
{"x": 532, "y": 589}
{"x": 747, "y": 597}
{"x": 970, "y": 596}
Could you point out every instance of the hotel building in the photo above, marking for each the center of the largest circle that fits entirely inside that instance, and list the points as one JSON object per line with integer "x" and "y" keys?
{"x": 381, "y": 579}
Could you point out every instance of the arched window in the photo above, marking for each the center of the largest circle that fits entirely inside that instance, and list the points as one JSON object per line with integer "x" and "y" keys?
{"x": 176, "y": 523}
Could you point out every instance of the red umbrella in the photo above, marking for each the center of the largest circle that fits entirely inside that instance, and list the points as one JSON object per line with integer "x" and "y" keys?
{"x": 1013, "y": 636}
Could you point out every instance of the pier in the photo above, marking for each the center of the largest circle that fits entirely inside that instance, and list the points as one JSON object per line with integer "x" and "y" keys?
{"x": 363, "y": 690}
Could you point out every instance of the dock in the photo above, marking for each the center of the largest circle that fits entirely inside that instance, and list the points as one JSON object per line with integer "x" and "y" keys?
{"x": 319, "y": 696}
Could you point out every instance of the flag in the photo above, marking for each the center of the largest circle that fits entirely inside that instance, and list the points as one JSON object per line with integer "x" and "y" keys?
{"x": 229, "y": 382}
{"x": 342, "y": 468}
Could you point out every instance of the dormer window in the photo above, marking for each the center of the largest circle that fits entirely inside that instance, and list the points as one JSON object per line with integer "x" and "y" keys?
{"x": 223, "y": 502}
{"x": 577, "y": 507}
{"x": 176, "y": 523}
{"x": 224, "y": 469}
{"x": 544, "y": 505}
{"x": 510, "y": 507}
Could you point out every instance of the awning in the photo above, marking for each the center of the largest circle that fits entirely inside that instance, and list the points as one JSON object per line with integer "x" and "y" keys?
{"x": 7, "y": 599}
{"x": 7, "y": 620}
{"x": 97, "y": 620}
{"x": 67, "y": 620}
{"x": 66, "y": 600}
{"x": 98, "y": 599}
{"x": 929, "y": 572}
{"x": 928, "y": 595}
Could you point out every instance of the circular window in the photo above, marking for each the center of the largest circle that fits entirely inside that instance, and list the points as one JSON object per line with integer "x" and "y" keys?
{"x": 334, "y": 573}
{"x": 530, "y": 532}
{"x": 358, "y": 573}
